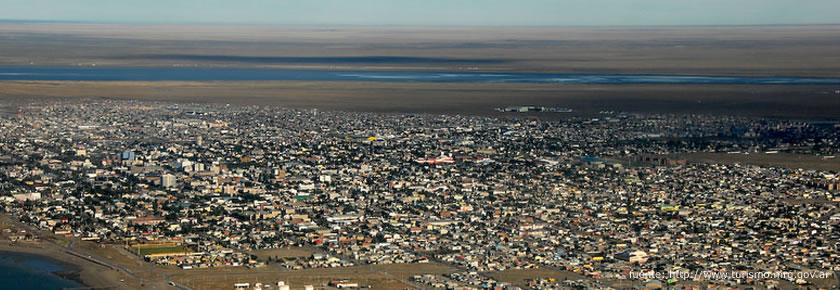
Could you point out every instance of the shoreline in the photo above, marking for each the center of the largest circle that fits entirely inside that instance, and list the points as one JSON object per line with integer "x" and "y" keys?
{"x": 73, "y": 268}
{"x": 399, "y": 74}
{"x": 68, "y": 271}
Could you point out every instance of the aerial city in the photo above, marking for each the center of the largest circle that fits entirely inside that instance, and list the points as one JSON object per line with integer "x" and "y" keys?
{"x": 443, "y": 144}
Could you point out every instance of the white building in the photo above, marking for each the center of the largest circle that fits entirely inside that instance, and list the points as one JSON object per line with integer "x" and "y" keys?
{"x": 167, "y": 180}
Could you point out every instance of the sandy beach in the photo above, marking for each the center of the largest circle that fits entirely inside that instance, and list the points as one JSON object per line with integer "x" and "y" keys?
{"x": 79, "y": 270}
{"x": 50, "y": 248}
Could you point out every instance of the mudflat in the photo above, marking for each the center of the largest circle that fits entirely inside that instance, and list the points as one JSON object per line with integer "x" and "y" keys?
{"x": 724, "y": 50}
{"x": 804, "y": 102}
{"x": 796, "y": 51}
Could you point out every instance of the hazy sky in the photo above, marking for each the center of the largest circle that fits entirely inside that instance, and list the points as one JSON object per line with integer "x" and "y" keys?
{"x": 431, "y": 12}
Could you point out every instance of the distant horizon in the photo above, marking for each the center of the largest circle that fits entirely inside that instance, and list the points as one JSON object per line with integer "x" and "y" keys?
{"x": 472, "y": 13}
{"x": 60, "y": 21}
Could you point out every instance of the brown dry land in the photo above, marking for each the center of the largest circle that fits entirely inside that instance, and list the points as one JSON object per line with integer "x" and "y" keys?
{"x": 740, "y": 50}
{"x": 786, "y": 160}
{"x": 520, "y": 277}
{"x": 378, "y": 277}
{"x": 744, "y": 50}
{"x": 796, "y": 102}
{"x": 293, "y": 252}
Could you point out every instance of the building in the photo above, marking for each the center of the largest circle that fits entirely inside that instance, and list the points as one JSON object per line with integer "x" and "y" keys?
{"x": 128, "y": 155}
{"x": 27, "y": 196}
{"x": 633, "y": 256}
{"x": 167, "y": 180}
{"x": 442, "y": 159}
{"x": 344, "y": 284}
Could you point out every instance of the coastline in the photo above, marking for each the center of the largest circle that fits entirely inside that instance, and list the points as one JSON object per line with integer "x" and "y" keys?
{"x": 67, "y": 271}
{"x": 73, "y": 268}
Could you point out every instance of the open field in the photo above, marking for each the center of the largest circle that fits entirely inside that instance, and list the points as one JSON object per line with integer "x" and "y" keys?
{"x": 740, "y": 50}
{"x": 519, "y": 277}
{"x": 143, "y": 251}
{"x": 294, "y": 252}
{"x": 786, "y": 160}
{"x": 378, "y": 277}
{"x": 792, "y": 101}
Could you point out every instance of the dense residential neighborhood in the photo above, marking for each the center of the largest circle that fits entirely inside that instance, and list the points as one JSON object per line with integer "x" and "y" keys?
{"x": 202, "y": 186}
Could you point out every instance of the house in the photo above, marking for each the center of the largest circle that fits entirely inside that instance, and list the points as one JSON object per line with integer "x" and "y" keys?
{"x": 633, "y": 256}
{"x": 344, "y": 284}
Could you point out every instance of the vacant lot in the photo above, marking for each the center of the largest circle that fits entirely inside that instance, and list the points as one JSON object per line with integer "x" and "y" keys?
{"x": 153, "y": 250}
{"x": 292, "y": 252}
{"x": 786, "y": 160}
{"x": 520, "y": 277}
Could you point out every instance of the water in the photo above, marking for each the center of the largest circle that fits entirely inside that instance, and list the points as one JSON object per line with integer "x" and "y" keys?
{"x": 322, "y": 60}
{"x": 228, "y": 74}
{"x": 25, "y": 271}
